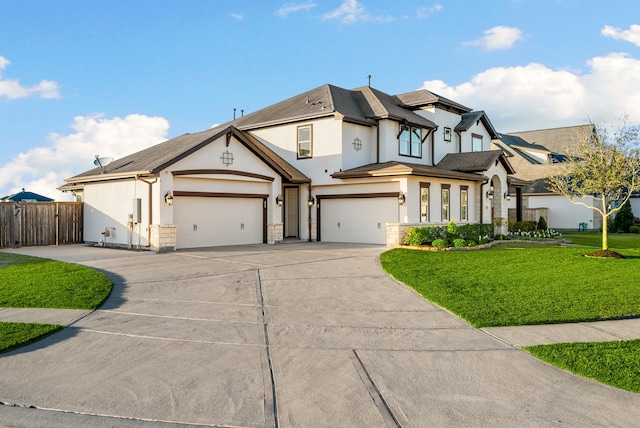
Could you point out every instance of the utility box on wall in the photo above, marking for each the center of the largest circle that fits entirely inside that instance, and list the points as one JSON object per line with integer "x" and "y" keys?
{"x": 137, "y": 210}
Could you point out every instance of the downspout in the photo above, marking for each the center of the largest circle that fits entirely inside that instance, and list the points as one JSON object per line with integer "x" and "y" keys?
{"x": 459, "y": 141}
{"x": 309, "y": 207}
{"x": 433, "y": 146}
{"x": 378, "y": 141}
{"x": 482, "y": 199}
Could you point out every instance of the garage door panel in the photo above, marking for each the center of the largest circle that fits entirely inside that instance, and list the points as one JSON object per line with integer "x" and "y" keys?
{"x": 358, "y": 220}
{"x": 205, "y": 222}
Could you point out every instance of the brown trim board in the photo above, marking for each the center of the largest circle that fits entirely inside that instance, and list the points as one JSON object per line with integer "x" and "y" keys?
{"x": 221, "y": 172}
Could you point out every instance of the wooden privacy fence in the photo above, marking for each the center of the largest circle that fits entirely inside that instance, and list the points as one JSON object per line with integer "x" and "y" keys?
{"x": 40, "y": 223}
{"x": 530, "y": 214}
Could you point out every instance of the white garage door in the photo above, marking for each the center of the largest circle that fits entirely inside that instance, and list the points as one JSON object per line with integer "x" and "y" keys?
{"x": 208, "y": 222}
{"x": 357, "y": 220}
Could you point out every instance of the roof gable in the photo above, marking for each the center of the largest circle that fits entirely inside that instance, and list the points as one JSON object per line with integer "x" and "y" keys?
{"x": 161, "y": 156}
{"x": 423, "y": 98}
{"x": 469, "y": 118}
{"x": 556, "y": 140}
{"x": 25, "y": 196}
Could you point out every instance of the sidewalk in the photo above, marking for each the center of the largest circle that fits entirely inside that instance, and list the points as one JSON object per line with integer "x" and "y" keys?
{"x": 600, "y": 331}
{"x": 64, "y": 317}
{"x": 518, "y": 337}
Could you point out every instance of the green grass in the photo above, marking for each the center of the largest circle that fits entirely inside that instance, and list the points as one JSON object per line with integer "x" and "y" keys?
{"x": 614, "y": 363}
{"x": 520, "y": 284}
{"x": 32, "y": 282}
{"x": 594, "y": 239}
{"x": 15, "y": 335}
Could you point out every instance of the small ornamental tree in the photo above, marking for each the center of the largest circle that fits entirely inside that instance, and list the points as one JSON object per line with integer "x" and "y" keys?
{"x": 603, "y": 166}
{"x": 623, "y": 219}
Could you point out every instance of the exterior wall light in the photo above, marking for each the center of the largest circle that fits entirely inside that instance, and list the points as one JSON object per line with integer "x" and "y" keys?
{"x": 507, "y": 195}
{"x": 490, "y": 193}
{"x": 311, "y": 201}
{"x": 402, "y": 198}
{"x": 168, "y": 198}
{"x": 357, "y": 144}
{"x": 279, "y": 200}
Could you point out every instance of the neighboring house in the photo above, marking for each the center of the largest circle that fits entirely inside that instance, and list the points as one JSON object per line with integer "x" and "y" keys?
{"x": 329, "y": 164}
{"x": 25, "y": 196}
{"x": 533, "y": 155}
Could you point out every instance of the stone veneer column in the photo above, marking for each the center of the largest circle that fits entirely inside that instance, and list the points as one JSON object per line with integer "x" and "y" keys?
{"x": 275, "y": 233}
{"x": 163, "y": 238}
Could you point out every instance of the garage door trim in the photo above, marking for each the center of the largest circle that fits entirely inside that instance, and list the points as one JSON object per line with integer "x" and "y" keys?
{"x": 232, "y": 195}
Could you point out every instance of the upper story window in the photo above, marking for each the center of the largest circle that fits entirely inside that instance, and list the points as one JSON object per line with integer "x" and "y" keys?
{"x": 305, "y": 143}
{"x": 410, "y": 140}
{"x": 476, "y": 142}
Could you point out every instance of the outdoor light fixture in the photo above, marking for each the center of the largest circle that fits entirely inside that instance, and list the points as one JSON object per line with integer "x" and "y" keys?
{"x": 168, "y": 198}
{"x": 507, "y": 195}
{"x": 357, "y": 144}
{"x": 279, "y": 200}
{"x": 490, "y": 193}
{"x": 311, "y": 201}
{"x": 402, "y": 198}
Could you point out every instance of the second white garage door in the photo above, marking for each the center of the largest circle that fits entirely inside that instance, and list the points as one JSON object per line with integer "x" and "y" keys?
{"x": 357, "y": 220}
{"x": 216, "y": 221}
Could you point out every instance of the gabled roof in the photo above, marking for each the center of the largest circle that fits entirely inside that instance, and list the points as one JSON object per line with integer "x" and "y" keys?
{"x": 474, "y": 161}
{"x": 469, "y": 118}
{"x": 556, "y": 140}
{"x": 424, "y": 98}
{"x": 361, "y": 105}
{"x": 512, "y": 146}
{"x": 25, "y": 196}
{"x": 400, "y": 168}
{"x": 154, "y": 159}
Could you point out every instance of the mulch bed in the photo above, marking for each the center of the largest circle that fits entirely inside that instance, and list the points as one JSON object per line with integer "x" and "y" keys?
{"x": 606, "y": 254}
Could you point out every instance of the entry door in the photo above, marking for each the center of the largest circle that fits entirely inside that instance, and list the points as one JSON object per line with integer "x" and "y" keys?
{"x": 291, "y": 218}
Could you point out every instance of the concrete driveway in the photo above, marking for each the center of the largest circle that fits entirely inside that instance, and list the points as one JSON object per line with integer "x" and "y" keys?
{"x": 302, "y": 334}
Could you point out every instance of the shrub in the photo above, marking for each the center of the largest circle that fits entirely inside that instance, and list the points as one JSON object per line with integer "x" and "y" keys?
{"x": 452, "y": 230}
{"x": 624, "y": 219}
{"x": 471, "y": 243}
{"x": 459, "y": 243}
{"x": 634, "y": 229}
{"x": 524, "y": 226}
{"x": 542, "y": 224}
{"x": 411, "y": 237}
{"x": 439, "y": 243}
{"x": 475, "y": 231}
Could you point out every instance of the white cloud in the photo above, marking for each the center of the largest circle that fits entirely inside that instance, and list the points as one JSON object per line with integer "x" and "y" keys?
{"x": 349, "y": 12}
{"x": 632, "y": 35}
{"x": 12, "y": 89}
{"x": 237, "y": 16}
{"x": 426, "y": 11}
{"x": 499, "y": 37}
{"x": 536, "y": 97}
{"x": 43, "y": 169}
{"x": 288, "y": 8}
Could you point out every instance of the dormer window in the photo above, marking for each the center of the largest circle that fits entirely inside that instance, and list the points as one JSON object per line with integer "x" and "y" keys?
{"x": 410, "y": 141}
{"x": 304, "y": 141}
{"x": 476, "y": 145}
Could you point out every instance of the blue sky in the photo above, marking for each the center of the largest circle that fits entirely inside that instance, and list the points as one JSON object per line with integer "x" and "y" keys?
{"x": 80, "y": 78}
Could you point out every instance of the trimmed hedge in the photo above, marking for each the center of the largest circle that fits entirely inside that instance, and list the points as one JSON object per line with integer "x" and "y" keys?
{"x": 427, "y": 235}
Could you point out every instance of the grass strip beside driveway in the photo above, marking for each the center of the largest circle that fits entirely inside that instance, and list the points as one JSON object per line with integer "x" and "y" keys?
{"x": 520, "y": 284}
{"x": 15, "y": 335}
{"x": 614, "y": 363}
{"x": 33, "y": 282}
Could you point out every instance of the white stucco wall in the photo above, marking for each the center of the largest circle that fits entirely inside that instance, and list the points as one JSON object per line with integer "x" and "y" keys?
{"x": 108, "y": 205}
{"x": 351, "y": 157}
{"x": 562, "y": 213}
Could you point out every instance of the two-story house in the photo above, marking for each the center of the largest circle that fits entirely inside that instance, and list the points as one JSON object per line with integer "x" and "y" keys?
{"x": 330, "y": 164}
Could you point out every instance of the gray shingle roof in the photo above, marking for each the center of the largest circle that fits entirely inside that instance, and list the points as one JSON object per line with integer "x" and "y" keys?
{"x": 25, "y": 196}
{"x": 401, "y": 168}
{"x": 423, "y": 97}
{"x": 474, "y": 161}
{"x": 156, "y": 158}
{"x": 538, "y": 187}
{"x": 556, "y": 140}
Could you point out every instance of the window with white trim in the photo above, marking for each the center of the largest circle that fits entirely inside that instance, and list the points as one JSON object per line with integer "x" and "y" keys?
{"x": 464, "y": 202}
{"x": 410, "y": 140}
{"x": 305, "y": 134}
{"x": 424, "y": 202}
{"x": 445, "y": 202}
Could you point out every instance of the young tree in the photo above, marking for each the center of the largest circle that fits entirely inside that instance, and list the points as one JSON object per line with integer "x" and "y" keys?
{"x": 603, "y": 166}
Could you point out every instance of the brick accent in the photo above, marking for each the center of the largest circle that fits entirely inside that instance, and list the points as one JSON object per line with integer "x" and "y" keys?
{"x": 275, "y": 233}
{"x": 163, "y": 238}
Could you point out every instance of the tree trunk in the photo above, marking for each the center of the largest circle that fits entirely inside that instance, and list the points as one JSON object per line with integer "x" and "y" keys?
{"x": 605, "y": 243}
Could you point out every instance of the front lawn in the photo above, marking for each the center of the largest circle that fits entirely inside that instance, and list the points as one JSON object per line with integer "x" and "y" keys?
{"x": 614, "y": 363}
{"x": 15, "y": 335}
{"x": 522, "y": 284}
{"x": 594, "y": 239}
{"x": 32, "y": 282}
